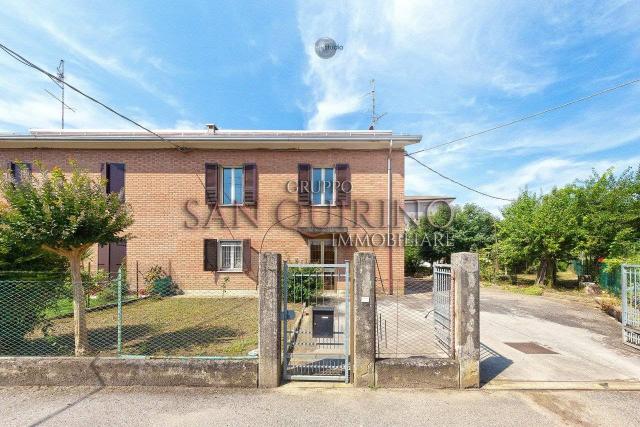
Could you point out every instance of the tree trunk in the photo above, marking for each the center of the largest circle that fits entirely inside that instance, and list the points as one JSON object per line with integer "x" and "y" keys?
{"x": 554, "y": 272}
{"x": 542, "y": 272}
{"x": 79, "y": 319}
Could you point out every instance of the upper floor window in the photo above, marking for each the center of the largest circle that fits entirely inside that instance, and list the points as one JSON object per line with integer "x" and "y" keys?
{"x": 323, "y": 187}
{"x": 232, "y": 186}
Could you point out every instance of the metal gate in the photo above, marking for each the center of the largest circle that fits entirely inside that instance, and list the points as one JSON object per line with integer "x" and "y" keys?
{"x": 443, "y": 307}
{"x": 316, "y": 322}
{"x": 631, "y": 305}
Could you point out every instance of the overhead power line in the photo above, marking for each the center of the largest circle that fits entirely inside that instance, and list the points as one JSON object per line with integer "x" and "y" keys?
{"x": 531, "y": 116}
{"x": 60, "y": 81}
{"x": 458, "y": 182}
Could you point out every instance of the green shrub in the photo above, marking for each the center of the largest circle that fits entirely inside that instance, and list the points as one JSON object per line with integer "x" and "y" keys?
{"x": 412, "y": 260}
{"x": 22, "y": 308}
{"x": 303, "y": 283}
{"x": 159, "y": 283}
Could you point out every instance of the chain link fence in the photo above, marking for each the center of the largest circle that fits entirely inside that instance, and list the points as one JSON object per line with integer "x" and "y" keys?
{"x": 36, "y": 319}
{"x": 405, "y": 321}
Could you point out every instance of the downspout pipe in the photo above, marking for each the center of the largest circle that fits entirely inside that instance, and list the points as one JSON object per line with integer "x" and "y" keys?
{"x": 390, "y": 216}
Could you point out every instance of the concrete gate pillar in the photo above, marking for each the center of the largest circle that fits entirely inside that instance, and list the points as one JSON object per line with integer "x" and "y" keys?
{"x": 466, "y": 283}
{"x": 364, "y": 311}
{"x": 269, "y": 303}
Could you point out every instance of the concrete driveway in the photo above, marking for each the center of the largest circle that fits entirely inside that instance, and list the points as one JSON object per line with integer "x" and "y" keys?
{"x": 577, "y": 342}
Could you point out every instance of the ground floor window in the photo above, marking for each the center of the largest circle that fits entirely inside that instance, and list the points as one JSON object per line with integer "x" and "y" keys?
{"x": 230, "y": 255}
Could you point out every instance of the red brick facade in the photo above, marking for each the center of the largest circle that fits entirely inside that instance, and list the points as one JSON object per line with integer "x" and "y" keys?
{"x": 165, "y": 190}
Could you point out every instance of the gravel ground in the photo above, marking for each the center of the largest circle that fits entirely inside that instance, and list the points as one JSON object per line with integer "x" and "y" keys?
{"x": 340, "y": 406}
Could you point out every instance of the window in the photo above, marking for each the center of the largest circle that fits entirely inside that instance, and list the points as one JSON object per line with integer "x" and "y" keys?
{"x": 322, "y": 251}
{"x": 323, "y": 186}
{"x": 232, "y": 186}
{"x": 230, "y": 255}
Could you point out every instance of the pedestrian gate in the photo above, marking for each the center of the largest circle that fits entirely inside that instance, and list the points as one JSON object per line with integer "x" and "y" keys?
{"x": 316, "y": 322}
{"x": 443, "y": 307}
{"x": 631, "y": 305}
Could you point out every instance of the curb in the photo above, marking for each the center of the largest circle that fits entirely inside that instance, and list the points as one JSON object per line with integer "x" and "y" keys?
{"x": 563, "y": 385}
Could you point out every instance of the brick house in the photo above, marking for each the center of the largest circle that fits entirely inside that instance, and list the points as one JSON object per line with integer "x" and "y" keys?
{"x": 205, "y": 210}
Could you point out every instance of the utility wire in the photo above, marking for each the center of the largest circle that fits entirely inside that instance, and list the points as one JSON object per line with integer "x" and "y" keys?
{"x": 458, "y": 182}
{"x": 59, "y": 81}
{"x": 531, "y": 116}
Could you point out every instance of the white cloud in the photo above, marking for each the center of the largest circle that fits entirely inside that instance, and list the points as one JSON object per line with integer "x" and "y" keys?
{"x": 100, "y": 49}
{"x": 447, "y": 46}
{"x": 449, "y": 69}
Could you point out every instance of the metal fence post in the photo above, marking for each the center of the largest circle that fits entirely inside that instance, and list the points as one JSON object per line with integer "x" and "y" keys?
{"x": 119, "y": 311}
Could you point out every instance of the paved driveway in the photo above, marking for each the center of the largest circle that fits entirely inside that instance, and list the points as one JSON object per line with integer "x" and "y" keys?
{"x": 582, "y": 343}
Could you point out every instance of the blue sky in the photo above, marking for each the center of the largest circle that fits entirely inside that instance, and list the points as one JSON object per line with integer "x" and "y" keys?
{"x": 443, "y": 69}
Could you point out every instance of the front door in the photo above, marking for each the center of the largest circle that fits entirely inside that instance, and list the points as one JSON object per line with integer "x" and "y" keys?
{"x": 322, "y": 251}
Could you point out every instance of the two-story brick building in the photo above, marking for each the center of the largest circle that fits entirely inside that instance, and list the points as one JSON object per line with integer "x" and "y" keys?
{"x": 205, "y": 203}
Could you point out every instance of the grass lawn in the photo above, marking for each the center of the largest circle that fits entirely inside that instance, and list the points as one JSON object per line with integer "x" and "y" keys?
{"x": 567, "y": 283}
{"x": 174, "y": 326}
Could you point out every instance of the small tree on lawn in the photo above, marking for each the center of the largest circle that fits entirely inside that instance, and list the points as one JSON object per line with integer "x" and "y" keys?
{"x": 65, "y": 215}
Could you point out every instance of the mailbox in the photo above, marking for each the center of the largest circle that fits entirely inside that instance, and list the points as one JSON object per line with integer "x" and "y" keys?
{"x": 322, "y": 322}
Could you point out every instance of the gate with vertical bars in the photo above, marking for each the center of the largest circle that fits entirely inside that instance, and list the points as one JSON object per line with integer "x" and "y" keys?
{"x": 631, "y": 305}
{"x": 316, "y": 322}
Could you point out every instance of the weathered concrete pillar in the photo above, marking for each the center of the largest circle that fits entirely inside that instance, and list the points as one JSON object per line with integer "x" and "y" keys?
{"x": 466, "y": 282}
{"x": 364, "y": 311}
{"x": 269, "y": 299}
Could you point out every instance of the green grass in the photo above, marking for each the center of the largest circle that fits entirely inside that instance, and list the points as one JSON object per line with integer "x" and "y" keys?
{"x": 64, "y": 307}
{"x": 160, "y": 327}
{"x": 567, "y": 283}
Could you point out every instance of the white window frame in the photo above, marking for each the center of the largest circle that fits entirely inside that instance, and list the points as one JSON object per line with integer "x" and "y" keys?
{"x": 232, "y": 244}
{"x": 233, "y": 187}
{"x": 322, "y": 192}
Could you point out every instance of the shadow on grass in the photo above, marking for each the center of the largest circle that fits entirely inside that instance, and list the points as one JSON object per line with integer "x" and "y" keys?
{"x": 100, "y": 340}
{"x": 183, "y": 341}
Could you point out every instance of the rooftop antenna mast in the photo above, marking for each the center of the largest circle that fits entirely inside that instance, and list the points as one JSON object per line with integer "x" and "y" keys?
{"x": 374, "y": 117}
{"x": 60, "y": 83}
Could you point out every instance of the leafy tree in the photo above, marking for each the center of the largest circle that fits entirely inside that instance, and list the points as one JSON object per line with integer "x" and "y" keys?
{"x": 516, "y": 231}
{"x": 412, "y": 257}
{"x": 446, "y": 230}
{"x": 431, "y": 234}
{"x": 65, "y": 215}
{"x": 609, "y": 215}
{"x": 473, "y": 228}
{"x": 540, "y": 230}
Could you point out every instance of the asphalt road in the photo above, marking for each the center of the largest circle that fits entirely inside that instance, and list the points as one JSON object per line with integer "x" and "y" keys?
{"x": 323, "y": 407}
{"x": 585, "y": 344}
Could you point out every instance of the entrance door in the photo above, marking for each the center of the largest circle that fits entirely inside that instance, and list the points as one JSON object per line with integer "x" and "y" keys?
{"x": 322, "y": 251}
{"x": 316, "y": 323}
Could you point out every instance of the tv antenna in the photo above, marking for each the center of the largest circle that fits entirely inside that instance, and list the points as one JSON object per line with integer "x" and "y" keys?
{"x": 60, "y": 83}
{"x": 374, "y": 118}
